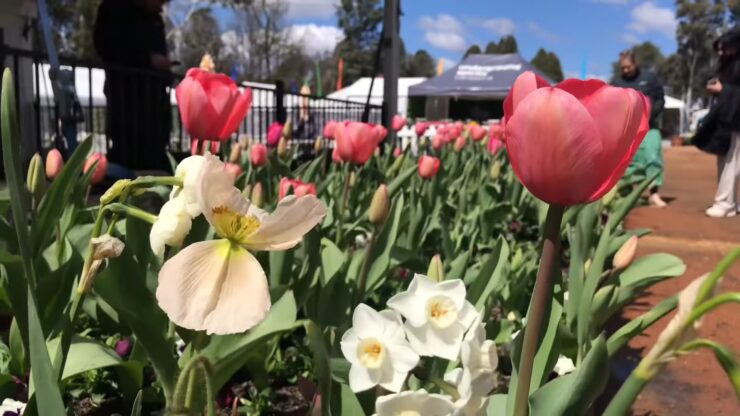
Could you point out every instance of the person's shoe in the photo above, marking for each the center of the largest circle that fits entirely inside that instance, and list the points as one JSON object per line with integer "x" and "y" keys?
{"x": 718, "y": 212}
{"x": 656, "y": 201}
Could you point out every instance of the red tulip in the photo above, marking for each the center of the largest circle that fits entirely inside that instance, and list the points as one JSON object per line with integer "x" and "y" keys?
{"x": 397, "y": 152}
{"x": 258, "y": 154}
{"x": 398, "y": 122}
{"x": 494, "y": 145}
{"x": 211, "y": 105}
{"x": 100, "y": 169}
{"x": 428, "y": 166}
{"x": 215, "y": 147}
{"x": 477, "y": 133}
{"x": 356, "y": 142}
{"x": 571, "y": 143}
{"x": 438, "y": 141}
{"x": 194, "y": 147}
{"x": 54, "y": 164}
{"x": 421, "y": 128}
{"x": 329, "y": 129}
{"x": 274, "y": 133}
{"x": 299, "y": 187}
{"x": 460, "y": 143}
{"x": 234, "y": 169}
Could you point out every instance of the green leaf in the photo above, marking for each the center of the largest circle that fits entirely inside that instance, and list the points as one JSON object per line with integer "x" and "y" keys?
{"x": 57, "y": 198}
{"x": 625, "y": 205}
{"x": 322, "y": 365}
{"x": 573, "y": 394}
{"x": 652, "y": 268}
{"x": 281, "y": 265}
{"x": 491, "y": 276}
{"x": 85, "y": 354}
{"x": 496, "y": 405}
{"x": 637, "y": 326}
{"x": 400, "y": 180}
{"x": 332, "y": 260}
{"x": 725, "y": 357}
{"x": 348, "y": 403}
{"x": 136, "y": 408}
{"x": 228, "y": 353}
{"x": 384, "y": 244}
{"x": 459, "y": 265}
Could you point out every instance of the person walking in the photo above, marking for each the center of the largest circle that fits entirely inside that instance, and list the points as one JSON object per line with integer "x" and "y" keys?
{"x": 649, "y": 157}
{"x": 719, "y": 132}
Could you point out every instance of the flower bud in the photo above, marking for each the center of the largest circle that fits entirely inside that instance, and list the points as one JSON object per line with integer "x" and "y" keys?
{"x": 112, "y": 193}
{"x": 460, "y": 142}
{"x": 207, "y": 64}
{"x": 195, "y": 147}
{"x": 123, "y": 347}
{"x": 101, "y": 248}
{"x": 511, "y": 316}
{"x": 258, "y": 155}
{"x": 288, "y": 130}
{"x": 397, "y": 152}
{"x": 257, "y": 196}
{"x": 376, "y": 152}
{"x": 236, "y": 153}
{"x": 318, "y": 144}
{"x": 234, "y": 169}
{"x": 54, "y": 164}
{"x": 244, "y": 141}
{"x": 609, "y": 197}
{"x": 380, "y": 206}
{"x": 626, "y": 254}
{"x": 436, "y": 270}
{"x": 495, "y": 169}
{"x": 215, "y": 147}
{"x": 282, "y": 147}
{"x": 352, "y": 179}
{"x": 35, "y": 177}
{"x": 587, "y": 266}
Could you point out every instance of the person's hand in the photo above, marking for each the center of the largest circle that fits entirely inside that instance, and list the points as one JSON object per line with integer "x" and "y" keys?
{"x": 714, "y": 87}
{"x": 160, "y": 62}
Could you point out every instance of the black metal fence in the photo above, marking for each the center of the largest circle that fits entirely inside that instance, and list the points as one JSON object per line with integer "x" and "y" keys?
{"x": 140, "y": 107}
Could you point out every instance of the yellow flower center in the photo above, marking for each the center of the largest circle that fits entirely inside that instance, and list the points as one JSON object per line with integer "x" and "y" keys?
{"x": 234, "y": 226}
{"x": 408, "y": 413}
{"x": 441, "y": 311}
{"x": 371, "y": 353}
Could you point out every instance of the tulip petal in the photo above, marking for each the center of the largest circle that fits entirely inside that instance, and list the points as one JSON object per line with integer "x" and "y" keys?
{"x": 214, "y": 286}
{"x": 195, "y": 110}
{"x": 344, "y": 144}
{"x": 554, "y": 145}
{"x": 238, "y": 112}
{"x": 284, "y": 228}
{"x": 583, "y": 90}
{"x": 523, "y": 85}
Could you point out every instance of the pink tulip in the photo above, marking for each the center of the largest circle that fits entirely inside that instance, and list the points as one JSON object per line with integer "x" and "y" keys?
{"x": 421, "y": 128}
{"x": 54, "y": 164}
{"x": 438, "y": 141}
{"x": 299, "y": 187}
{"x": 496, "y": 131}
{"x": 329, "y": 129}
{"x": 100, "y": 169}
{"x": 215, "y": 147}
{"x": 274, "y": 133}
{"x": 428, "y": 166}
{"x": 477, "y": 133}
{"x": 211, "y": 105}
{"x": 397, "y": 152}
{"x": 335, "y": 156}
{"x": 494, "y": 145}
{"x": 234, "y": 169}
{"x": 258, "y": 154}
{"x": 398, "y": 122}
{"x": 460, "y": 143}
{"x": 571, "y": 143}
{"x": 356, "y": 142}
{"x": 195, "y": 147}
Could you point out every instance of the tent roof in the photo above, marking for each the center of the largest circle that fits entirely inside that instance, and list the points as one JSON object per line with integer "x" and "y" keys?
{"x": 480, "y": 75}
{"x": 673, "y": 103}
{"x": 358, "y": 90}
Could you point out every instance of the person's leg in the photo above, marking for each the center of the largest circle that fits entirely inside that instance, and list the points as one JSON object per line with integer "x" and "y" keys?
{"x": 725, "y": 199}
{"x": 651, "y": 156}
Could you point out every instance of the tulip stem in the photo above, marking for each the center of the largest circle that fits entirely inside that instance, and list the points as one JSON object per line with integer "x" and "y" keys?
{"x": 362, "y": 282}
{"x": 626, "y": 396}
{"x": 541, "y": 298}
{"x": 343, "y": 206}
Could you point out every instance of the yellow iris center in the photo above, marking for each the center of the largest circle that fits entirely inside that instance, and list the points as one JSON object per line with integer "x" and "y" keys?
{"x": 371, "y": 353}
{"x": 441, "y": 311}
{"x": 234, "y": 226}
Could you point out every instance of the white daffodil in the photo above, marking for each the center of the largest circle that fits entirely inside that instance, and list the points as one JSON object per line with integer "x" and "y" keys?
{"x": 564, "y": 365}
{"x": 469, "y": 403}
{"x": 377, "y": 349}
{"x": 414, "y": 403}
{"x": 218, "y": 286}
{"x": 12, "y": 407}
{"x": 189, "y": 171}
{"x": 479, "y": 358}
{"x": 437, "y": 315}
{"x": 172, "y": 225}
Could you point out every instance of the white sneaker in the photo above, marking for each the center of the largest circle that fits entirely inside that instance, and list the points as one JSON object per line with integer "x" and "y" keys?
{"x": 718, "y": 212}
{"x": 656, "y": 201}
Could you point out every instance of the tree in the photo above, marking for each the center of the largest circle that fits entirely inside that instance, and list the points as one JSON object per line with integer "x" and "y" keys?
{"x": 473, "y": 50}
{"x": 72, "y": 27}
{"x": 419, "y": 64}
{"x": 508, "y": 44}
{"x": 549, "y": 64}
{"x": 201, "y": 35}
{"x": 360, "y": 20}
{"x": 647, "y": 55}
{"x": 492, "y": 47}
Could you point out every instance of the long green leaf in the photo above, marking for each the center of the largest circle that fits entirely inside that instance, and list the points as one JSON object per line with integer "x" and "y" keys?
{"x": 623, "y": 335}
{"x": 653, "y": 267}
{"x": 725, "y": 357}
{"x": 322, "y": 363}
{"x": 384, "y": 244}
{"x": 400, "y": 180}
{"x": 491, "y": 275}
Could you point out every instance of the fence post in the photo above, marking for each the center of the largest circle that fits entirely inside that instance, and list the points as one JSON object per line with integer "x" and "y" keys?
{"x": 280, "y": 113}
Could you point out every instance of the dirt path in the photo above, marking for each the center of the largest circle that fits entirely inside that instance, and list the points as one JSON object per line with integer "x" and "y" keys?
{"x": 693, "y": 385}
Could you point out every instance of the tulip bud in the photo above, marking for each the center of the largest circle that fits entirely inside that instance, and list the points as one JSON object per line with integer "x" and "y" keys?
{"x": 257, "y": 196}
{"x": 517, "y": 260}
{"x": 244, "y": 141}
{"x": 609, "y": 197}
{"x": 376, "y": 152}
{"x": 318, "y": 144}
{"x": 352, "y": 179}
{"x": 112, "y": 193}
{"x": 234, "y": 169}
{"x": 215, "y": 147}
{"x": 511, "y": 316}
{"x": 54, "y": 164}
{"x": 397, "y": 152}
{"x": 195, "y": 147}
{"x": 207, "y": 64}
{"x": 587, "y": 266}
{"x": 495, "y": 169}
{"x": 236, "y": 153}
{"x": 288, "y": 130}
{"x": 282, "y": 147}
{"x": 460, "y": 143}
{"x": 258, "y": 154}
{"x": 380, "y": 206}
{"x": 436, "y": 270}
{"x": 626, "y": 254}
{"x": 35, "y": 177}
{"x": 101, "y": 248}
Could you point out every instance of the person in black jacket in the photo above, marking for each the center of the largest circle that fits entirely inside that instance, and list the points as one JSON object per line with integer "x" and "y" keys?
{"x": 129, "y": 37}
{"x": 649, "y": 157}
{"x": 726, "y": 118}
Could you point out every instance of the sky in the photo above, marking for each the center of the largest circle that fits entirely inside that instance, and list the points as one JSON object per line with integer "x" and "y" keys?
{"x": 590, "y": 31}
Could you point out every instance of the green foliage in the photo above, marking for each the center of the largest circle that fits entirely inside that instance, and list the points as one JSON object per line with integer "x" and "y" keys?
{"x": 549, "y": 64}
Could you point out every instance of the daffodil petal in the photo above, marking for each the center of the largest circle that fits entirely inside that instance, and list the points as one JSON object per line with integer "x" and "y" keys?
{"x": 361, "y": 379}
{"x": 285, "y": 227}
{"x": 396, "y": 381}
{"x": 214, "y": 286}
{"x": 403, "y": 357}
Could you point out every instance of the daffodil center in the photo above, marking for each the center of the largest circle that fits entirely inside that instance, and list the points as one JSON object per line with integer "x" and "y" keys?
{"x": 234, "y": 226}
{"x": 371, "y": 353}
{"x": 441, "y": 311}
